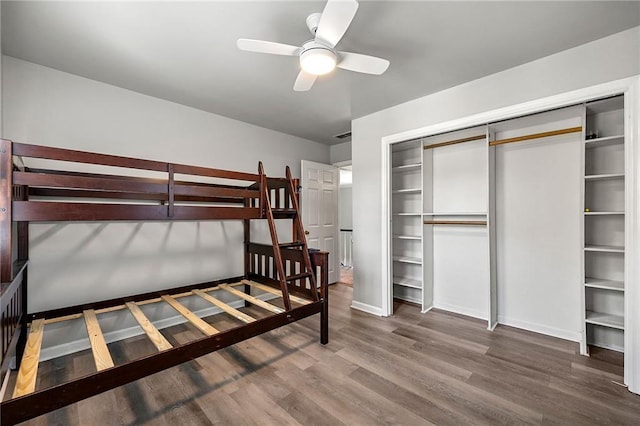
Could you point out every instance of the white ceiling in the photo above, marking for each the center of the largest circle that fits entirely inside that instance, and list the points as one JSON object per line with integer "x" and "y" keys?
{"x": 186, "y": 51}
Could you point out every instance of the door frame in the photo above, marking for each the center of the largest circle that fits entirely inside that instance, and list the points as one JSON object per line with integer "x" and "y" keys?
{"x": 340, "y": 165}
{"x": 630, "y": 87}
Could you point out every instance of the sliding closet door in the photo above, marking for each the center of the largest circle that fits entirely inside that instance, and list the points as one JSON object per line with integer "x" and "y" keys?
{"x": 538, "y": 224}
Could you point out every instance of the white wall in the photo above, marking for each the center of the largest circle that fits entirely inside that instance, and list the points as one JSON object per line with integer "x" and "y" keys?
{"x": 76, "y": 263}
{"x": 0, "y": 71}
{"x": 603, "y": 60}
{"x": 345, "y": 219}
{"x": 340, "y": 152}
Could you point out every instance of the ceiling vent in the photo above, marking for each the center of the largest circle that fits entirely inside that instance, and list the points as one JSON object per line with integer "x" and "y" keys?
{"x": 343, "y": 136}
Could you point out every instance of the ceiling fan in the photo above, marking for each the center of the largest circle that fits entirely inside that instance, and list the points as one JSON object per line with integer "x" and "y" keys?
{"x": 318, "y": 55}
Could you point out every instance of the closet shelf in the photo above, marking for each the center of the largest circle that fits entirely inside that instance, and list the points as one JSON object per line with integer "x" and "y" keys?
{"x": 605, "y": 320}
{"x": 608, "y": 249}
{"x": 408, "y": 259}
{"x": 607, "y": 140}
{"x": 407, "y": 191}
{"x": 406, "y": 167}
{"x": 605, "y": 176}
{"x": 603, "y": 213}
{"x": 407, "y": 282}
{"x": 456, "y": 214}
{"x": 407, "y": 214}
{"x": 604, "y": 284}
{"x": 408, "y": 237}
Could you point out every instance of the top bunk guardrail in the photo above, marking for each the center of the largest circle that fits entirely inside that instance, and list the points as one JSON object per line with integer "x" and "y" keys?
{"x": 181, "y": 192}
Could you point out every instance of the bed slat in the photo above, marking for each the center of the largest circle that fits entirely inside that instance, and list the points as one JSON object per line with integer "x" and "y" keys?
{"x": 154, "y": 335}
{"x": 101, "y": 354}
{"x": 276, "y": 292}
{"x": 26, "y": 382}
{"x": 199, "y": 323}
{"x": 228, "y": 309}
{"x": 255, "y": 301}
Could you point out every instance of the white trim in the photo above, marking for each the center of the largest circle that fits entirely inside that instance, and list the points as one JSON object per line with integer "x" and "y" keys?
{"x": 340, "y": 164}
{"x": 631, "y": 88}
{"x": 366, "y": 308}
{"x": 424, "y": 311}
{"x": 461, "y": 310}
{"x": 574, "y": 336}
{"x": 632, "y": 244}
{"x": 526, "y": 108}
{"x": 386, "y": 271}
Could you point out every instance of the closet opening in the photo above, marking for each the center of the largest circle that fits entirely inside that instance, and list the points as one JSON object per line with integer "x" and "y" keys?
{"x": 521, "y": 222}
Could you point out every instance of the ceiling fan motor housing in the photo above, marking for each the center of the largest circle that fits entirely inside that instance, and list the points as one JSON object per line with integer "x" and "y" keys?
{"x": 317, "y": 58}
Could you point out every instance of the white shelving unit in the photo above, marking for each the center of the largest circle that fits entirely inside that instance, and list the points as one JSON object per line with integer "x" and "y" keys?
{"x": 604, "y": 225}
{"x": 406, "y": 198}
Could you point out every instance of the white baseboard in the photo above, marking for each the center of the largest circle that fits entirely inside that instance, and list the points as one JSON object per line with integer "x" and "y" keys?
{"x": 574, "y": 336}
{"x": 462, "y": 310}
{"x": 366, "y": 308}
{"x": 114, "y": 336}
{"x": 611, "y": 347}
{"x": 427, "y": 310}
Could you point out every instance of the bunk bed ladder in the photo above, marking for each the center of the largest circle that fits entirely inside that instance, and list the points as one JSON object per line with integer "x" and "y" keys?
{"x": 299, "y": 243}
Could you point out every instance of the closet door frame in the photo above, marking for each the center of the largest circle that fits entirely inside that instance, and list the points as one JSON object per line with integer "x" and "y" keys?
{"x": 630, "y": 87}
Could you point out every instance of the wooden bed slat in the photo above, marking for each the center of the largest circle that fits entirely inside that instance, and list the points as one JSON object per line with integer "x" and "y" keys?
{"x": 199, "y": 323}
{"x": 228, "y": 309}
{"x": 154, "y": 335}
{"x": 26, "y": 382}
{"x": 276, "y": 292}
{"x": 101, "y": 354}
{"x": 255, "y": 301}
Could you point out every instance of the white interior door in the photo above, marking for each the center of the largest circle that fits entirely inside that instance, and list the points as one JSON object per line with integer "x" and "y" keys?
{"x": 319, "y": 204}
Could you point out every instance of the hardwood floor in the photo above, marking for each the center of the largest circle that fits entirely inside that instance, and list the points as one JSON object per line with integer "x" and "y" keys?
{"x": 411, "y": 369}
{"x": 346, "y": 276}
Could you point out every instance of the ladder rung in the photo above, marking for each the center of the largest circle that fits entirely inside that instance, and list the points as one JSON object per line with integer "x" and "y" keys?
{"x": 284, "y": 213}
{"x": 292, "y": 244}
{"x": 298, "y": 276}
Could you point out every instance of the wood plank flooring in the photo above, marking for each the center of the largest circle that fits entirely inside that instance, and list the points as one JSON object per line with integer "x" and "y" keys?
{"x": 410, "y": 369}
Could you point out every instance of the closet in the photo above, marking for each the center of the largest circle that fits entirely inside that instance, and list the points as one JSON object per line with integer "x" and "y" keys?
{"x": 519, "y": 222}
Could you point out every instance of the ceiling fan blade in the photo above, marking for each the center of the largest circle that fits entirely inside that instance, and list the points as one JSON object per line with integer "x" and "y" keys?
{"x": 362, "y": 63}
{"x": 336, "y": 18}
{"x": 262, "y": 46}
{"x": 304, "y": 81}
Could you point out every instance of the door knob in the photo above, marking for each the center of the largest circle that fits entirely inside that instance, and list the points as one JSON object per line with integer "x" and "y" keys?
{"x": 306, "y": 232}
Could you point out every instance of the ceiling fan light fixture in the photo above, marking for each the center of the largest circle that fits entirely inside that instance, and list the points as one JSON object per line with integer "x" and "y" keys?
{"x": 318, "y": 61}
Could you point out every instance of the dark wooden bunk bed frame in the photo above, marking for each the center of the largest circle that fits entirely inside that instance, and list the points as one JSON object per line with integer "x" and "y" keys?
{"x": 32, "y": 195}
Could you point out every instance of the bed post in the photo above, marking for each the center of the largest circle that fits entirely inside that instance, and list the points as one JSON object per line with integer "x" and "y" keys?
{"x": 6, "y": 225}
{"x": 23, "y": 257}
{"x": 321, "y": 259}
{"x": 247, "y": 256}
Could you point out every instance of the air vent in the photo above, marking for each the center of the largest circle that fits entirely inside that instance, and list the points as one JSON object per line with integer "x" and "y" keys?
{"x": 346, "y": 135}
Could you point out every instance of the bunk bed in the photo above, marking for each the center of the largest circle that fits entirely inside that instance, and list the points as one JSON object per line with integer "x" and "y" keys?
{"x": 289, "y": 271}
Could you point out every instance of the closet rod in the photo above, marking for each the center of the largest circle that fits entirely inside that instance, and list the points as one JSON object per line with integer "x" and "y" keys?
{"x": 456, "y": 222}
{"x": 453, "y": 142}
{"x": 537, "y": 135}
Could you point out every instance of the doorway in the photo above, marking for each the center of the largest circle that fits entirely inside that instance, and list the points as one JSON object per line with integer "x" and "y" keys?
{"x": 345, "y": 213}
